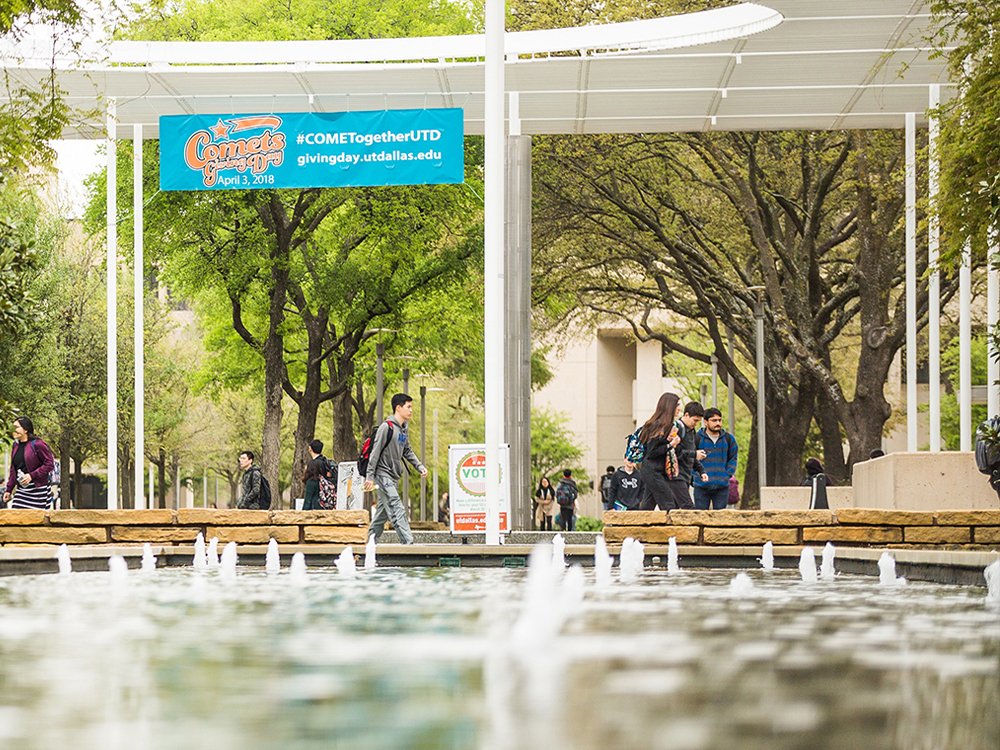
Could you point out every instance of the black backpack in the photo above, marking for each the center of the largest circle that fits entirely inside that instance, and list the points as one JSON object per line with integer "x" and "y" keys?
{"x": 264, "y": 500}
{"x": 365, "y": 454}
{"x": 988, "y": 446}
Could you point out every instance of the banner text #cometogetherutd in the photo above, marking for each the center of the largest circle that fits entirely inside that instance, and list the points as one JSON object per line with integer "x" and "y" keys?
{"x": 300, "y": 150}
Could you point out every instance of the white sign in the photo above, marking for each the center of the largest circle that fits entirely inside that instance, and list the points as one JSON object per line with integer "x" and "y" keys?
{"x": 467, "y": 488}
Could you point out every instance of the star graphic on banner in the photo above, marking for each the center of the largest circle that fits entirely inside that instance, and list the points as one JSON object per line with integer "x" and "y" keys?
{"x": 220, "y": 130}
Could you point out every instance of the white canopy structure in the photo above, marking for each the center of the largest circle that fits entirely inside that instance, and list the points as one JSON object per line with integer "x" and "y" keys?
{"x": 784, "y": 64}
{"x": 789, "y": 64}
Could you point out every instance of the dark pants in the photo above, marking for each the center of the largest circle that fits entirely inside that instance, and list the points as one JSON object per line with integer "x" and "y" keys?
{"x": 566, "y": 519}
{"x": 546, "y": 523}
{"x": 674, "y": 497}
{"x": 716, "y": 498}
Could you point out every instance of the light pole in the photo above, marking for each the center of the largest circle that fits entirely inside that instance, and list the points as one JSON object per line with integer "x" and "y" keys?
{"x": 715, "y": 381}
{"x": 379, "y": 377}
{"x": 406, "y": 473}
{"x": 758, "y": 313}
{"x": 731, "y": 383}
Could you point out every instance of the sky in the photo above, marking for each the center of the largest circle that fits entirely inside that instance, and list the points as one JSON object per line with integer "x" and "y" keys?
{"x": 76, "y": 160}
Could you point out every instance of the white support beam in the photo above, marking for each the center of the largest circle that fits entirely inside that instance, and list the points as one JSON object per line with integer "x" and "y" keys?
{"x": 911, "y": 283}
{"x": 139, "y": 345}
{"x": 965, "y": 349}
{"x": 934, "y": 282}
{"x": 992, "y": 317}
{"x": 493, "y": 262}
{"x": 112, "y": 282}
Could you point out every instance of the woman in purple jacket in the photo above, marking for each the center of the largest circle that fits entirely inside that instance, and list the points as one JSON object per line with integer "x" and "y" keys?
{"x": 31, "y": 462}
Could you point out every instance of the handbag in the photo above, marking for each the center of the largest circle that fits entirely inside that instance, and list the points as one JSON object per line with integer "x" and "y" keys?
{"x": 670, "y": 466}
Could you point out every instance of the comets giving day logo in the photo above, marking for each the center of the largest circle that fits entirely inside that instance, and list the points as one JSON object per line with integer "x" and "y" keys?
{"x": 214, "y": 151}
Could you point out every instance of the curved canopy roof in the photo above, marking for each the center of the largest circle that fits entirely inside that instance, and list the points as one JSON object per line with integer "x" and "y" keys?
{"x": 789, "y": 64}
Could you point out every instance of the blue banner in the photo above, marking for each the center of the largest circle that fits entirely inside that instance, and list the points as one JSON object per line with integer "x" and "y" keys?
{"x": 309, "y": 149}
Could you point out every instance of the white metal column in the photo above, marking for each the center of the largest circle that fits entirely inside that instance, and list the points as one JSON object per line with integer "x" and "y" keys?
{"x": 934, "y": 282}
{"x": 112, "y": 282}
{"x": 139, "y": 343}
{"x": 992, "y": 315}
{"x": 493, "y": 264}
{"x": 911, "y": 283}
{"x": 965, "y": 348}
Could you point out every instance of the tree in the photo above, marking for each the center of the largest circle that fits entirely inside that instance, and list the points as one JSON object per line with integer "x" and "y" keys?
{"x": 553, "y": 447}
{"x": 688, "y": 223}
{"x": 33, "y": 115}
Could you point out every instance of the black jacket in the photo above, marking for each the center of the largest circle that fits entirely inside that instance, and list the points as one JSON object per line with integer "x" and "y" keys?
{"x": 687, "y": 453}
{"x": 626, "y": 490}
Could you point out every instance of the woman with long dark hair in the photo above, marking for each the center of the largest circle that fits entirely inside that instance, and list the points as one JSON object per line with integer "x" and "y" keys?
{"x": 31, "y": 463}
{"x": 658, "y": 471}
{"x": 546, "y": 499}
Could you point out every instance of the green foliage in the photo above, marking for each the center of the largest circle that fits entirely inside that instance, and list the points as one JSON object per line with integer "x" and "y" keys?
{"x": 589, "y": 523}
{"x": 18, "y": 262}
{"x": 31, "y": 115}
{"x": 554, "y": 447}
{"x": 969, "y": 202}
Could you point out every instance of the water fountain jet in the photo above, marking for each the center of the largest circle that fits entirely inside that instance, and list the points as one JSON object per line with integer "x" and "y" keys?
{"x": 200, "y": 560}
{"x": 299, "y": 577}
{"x": 148, "y": 559}
{"x": 227, "y": 566}
{"x": 672, "y": 566}
{"x": 62, "y": 557}
{"x": 826, "y": 569}
{"x": 767, "y": 557}
{"x": 345, "y": 563}
{"x": 213, "y": 553}
{"x": 272, "y": 560}
{"x": 370, "y": 554}
{"x": 741, "y": 585}
{"x": 887, "y": 571}
{"x": 807, "y": 565}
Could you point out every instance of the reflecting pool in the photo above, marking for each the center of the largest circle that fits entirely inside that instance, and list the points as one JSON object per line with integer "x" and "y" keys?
{"x": 493, "y": 658}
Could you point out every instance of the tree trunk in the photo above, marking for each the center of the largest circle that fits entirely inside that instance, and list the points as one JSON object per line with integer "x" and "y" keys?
{"x": 833, "y": 443}
{"x": 175, "y": 470}
{"x": 65, "y": 450}
{"x": 161, "y": 478}
{"x": 345, "y": 445}
{"x": 126, "y": 466}
{"x": 77, "y": 479}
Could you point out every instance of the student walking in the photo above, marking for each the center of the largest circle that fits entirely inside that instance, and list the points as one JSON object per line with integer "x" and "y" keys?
{"x": 626, "y": 488}
{"x": 31, "y": 462}
{"x": 720, "y": 458}
{"x": 666, "y": 465}
{"x": 566, "y": 495}
{"x": 390, "y": 447}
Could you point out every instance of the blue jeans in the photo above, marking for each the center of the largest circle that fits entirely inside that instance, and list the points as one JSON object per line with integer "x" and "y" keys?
{"x": 390, "y": 508}
{"x": 716, "y": 498}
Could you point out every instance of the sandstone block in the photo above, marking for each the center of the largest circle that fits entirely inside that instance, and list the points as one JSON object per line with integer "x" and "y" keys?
{"x": 210, "y": 517}
{"x": 254, "y": 534}
{"x": 10, "y": 517}
{"x": 154, "y": 534}
{"x": 937, "y": 535}
{"x": 154, "y": 517}
{"x": 634, "y": 517}
{"x": 321, "y": 517}
{"x": 336, "y": 534}
{"x": 730, "y": 518}
{"x": 986, "y": 535}
{"x": 853, "y": 534}
{"x": 750, "y": 535}
{"x": 875, "y": 517}
{"x": 651, "y": 534}
{"x": 52, "y": 535}
{"x": 968, "y": 517}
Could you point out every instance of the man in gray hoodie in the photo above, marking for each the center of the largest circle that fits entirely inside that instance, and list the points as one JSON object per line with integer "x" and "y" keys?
{"x": 385, "y": 467}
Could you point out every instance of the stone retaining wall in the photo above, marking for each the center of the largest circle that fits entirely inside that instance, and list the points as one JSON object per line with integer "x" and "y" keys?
{"x": 848, "y": 526}
{"x": 120, "y": 527}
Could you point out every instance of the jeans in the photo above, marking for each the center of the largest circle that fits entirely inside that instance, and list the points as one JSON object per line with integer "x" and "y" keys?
{"x": 566, "y": 519}
{"x": 716, "y": 498}
{"x": 390, "y": 508}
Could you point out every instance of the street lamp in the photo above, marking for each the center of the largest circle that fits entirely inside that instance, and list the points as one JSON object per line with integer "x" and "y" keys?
{"x": 758, "y": 313}
{"x": 406, "y": 388}
{"x": 379, "y": 357}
